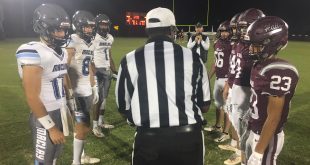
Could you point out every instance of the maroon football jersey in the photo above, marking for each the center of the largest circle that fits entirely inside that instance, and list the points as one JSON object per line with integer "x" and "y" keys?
{"x": 272, "y": 77}
{"x": 243, "y": 65}
{"x": 222, "y": 50}
{"x": 232, "y": 64}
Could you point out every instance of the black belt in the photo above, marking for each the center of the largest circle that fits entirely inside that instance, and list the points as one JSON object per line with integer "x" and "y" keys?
{"x": 170, "y": 130}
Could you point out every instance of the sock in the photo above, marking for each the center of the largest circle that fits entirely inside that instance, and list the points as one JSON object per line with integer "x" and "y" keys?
{"x": 83, "y": 153}
{"x": 54, "y": 161}
{"x": 100, "y": 121}
{"x": 233, "y": 142}
{"x": 218, "y": 126}
{"x": 78, "y": 146}
{"x": 95, "y": 124}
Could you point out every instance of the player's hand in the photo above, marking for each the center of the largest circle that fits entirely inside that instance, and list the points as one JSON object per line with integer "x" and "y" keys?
{"x": 114, "y": 75}
{"x": 56, "y": 135}
{"x": 95, "y": 94}
{"x": 255, "y": 159}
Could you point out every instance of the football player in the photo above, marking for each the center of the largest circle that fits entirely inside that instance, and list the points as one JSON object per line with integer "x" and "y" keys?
{"x": 42, "y": 67}
{"x": 273, "y": 83}
{"x": 105, "y": 68}
{"x": 222, "y": 52}
{"x": 81, "y": 51}
{"x": 227, "y": 94}
{"x": 241, "y": 91}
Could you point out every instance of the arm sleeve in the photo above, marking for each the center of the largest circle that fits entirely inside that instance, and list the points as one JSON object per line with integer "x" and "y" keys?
{"x": 206, "y": 44}
{"x": 191, "y": 43}
{"x": 121, "y": 90}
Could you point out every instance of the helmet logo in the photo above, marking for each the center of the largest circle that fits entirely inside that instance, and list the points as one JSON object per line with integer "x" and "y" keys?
{"x": 275, "y": 31}
{"x": 272, "y": 27}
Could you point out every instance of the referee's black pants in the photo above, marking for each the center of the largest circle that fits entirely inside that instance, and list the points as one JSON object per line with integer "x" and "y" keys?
{"x": 182, "y": 145}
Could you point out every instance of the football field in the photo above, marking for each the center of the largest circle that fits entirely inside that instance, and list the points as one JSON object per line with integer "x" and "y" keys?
{"x": 116, "y": 147}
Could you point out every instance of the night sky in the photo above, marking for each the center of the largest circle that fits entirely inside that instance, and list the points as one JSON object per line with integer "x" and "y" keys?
{"x": 18, "y": 16}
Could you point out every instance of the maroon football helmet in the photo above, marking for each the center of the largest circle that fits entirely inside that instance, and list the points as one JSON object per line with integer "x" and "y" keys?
{"x": 246, "y": 18}
{"x": 233, "y": 25}
{"x": 267, "y": 36}
{"x": 224, "y": 26}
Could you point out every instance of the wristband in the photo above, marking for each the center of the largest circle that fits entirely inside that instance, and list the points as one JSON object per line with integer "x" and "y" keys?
{"x": 46, "y": 122}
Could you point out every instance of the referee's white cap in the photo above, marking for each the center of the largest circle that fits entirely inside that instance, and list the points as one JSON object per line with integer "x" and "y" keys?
{"x": 160, "y": 17}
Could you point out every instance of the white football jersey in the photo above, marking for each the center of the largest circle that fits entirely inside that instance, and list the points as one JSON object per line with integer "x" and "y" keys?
{"x": 54, "y": 68}
{"x": 79, "y": 66}
{"x": 102, "y": 50}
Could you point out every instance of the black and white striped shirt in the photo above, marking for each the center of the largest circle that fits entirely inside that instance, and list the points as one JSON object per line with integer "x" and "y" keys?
{"x": 162, "y": 85}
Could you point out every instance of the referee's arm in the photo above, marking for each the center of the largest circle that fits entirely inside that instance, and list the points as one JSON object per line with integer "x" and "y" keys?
{"x": 121, "y": 90}
{"x": 203, "y": 91}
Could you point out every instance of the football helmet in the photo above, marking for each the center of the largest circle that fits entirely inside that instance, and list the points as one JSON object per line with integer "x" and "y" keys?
{"x": 102, "y": 19}
{"x": 233, "y": 26}
{"x": 49, "y": 18}
{"x": 82, "y": 19}
{"x": 224, "y": 26}
{"x": 267, "y": 35}
{"x": 246, "y": 18}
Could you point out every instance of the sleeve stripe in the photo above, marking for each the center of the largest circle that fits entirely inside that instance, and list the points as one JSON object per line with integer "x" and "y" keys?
{"x": 27, "y": 54}
{"x": 27, "y": 50}
{"x": 278, "y": 65}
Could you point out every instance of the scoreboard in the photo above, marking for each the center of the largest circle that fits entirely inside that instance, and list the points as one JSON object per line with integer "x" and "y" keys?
{"x": 135, "y": 18}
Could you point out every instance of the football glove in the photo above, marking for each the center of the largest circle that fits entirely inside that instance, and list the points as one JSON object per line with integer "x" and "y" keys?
{"x": 255, "y": 159}
{"x": 114, "y": 75}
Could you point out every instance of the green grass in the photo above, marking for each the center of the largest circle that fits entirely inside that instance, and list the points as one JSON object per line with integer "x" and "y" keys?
{"x": 116, "y": 147}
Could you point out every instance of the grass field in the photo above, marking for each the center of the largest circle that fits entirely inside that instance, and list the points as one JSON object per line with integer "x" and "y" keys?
{"x": 116, "y": 147}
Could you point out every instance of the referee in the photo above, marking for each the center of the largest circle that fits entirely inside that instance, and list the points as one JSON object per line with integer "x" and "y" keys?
{"x": 163, "y": 88}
